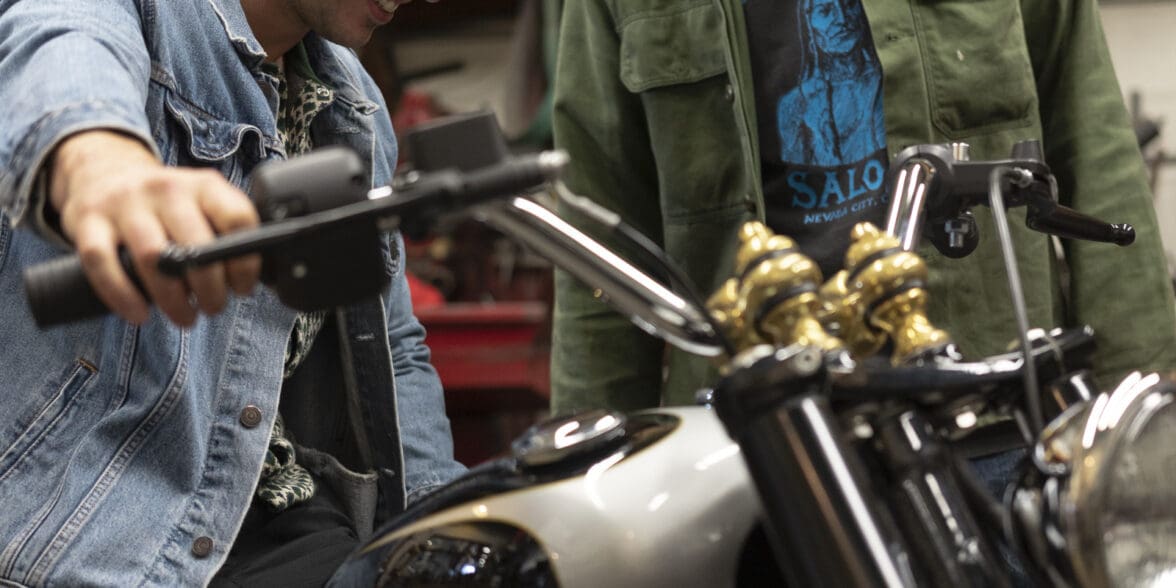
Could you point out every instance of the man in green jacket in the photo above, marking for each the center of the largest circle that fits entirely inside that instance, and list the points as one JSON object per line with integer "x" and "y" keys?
{"x": 691, "y": 117}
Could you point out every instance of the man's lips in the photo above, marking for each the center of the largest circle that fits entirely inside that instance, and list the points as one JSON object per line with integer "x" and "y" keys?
{"x": 381, "y": 10}
{"x": 390, "y": 5}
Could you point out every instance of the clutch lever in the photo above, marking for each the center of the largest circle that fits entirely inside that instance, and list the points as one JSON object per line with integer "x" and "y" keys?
{"x": 941, "y": 183}
{"x": 944, "y": 181}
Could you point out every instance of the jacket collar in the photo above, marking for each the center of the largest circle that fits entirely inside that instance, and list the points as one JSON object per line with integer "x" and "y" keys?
{"x": 232, "y": 17}
{"x": 324, "y": 56}
{"x": 327, "y": 60}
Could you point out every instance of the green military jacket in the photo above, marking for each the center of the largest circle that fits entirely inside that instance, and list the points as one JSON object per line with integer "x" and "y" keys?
{"x": 654, "y": 101}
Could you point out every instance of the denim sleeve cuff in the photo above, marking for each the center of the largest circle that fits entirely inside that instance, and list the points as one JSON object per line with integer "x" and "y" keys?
{"x": 28, "y": 169}
{"x": 44, "y": 219}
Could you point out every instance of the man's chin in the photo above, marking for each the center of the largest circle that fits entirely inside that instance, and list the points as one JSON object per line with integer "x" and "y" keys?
{"x": 350, "y": 39}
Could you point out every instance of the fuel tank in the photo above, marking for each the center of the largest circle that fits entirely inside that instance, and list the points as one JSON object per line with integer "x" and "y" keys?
{"x": 653, "y": 498}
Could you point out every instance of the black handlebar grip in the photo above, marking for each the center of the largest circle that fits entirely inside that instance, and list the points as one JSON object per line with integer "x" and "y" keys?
{"x": 1071, "y": 224}
{"x": 58, "y": 291}
{"x": 1122, "y": 234}
{"x": 509, "y": 177}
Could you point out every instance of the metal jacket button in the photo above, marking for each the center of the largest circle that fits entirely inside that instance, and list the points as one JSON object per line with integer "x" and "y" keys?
{"x": 250, "y": 416}
{"x": 202, "y": 546}
{"x": 729, "y": 93}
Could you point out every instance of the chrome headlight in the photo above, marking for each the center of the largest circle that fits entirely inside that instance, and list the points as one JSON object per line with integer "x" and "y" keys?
{"x": 1100, "y": 509}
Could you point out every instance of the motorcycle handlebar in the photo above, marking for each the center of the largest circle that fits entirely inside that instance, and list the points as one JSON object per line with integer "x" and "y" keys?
{"x": 938, "y": 184}
{"x": 58, "y": 291}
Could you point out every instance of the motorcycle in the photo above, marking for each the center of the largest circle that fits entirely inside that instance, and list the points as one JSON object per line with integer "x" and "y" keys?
{"x": 807, "y": 466}
{"x": 812, "y": 461}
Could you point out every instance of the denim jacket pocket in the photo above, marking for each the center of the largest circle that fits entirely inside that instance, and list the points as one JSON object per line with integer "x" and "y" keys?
{"x": 201, "y": 139}
{"x": 53, "y": 414}
{"x": 979, "y": 75}
{"x": 667, "y": 47}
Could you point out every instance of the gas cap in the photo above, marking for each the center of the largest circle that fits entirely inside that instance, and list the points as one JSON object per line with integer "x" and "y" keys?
{"x": 568, "y": 438}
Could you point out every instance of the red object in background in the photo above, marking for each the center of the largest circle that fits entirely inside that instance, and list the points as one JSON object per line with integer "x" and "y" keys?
{"x": 493, "y": 362}
{"x": 423, "y": 294}
{"x": 490, "y": 347}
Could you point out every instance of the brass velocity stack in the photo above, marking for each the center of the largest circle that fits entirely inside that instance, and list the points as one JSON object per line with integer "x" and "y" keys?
{"x": 889, "y": 288}
{"x": 773, "y": 297}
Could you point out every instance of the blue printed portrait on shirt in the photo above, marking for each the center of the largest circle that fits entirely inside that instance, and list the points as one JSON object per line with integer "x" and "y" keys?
{"x": 818, "y": 95}
{"x": 834, "y": 114}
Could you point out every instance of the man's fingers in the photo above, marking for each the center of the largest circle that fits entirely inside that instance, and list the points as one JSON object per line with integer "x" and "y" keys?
{"x": 184, "y": 223}
{"x": 243, "y": 273}
{"x": 229, "y": 210}
{"x": 97, "y": 246}
{"x": 146, "y": 238}
{"x": 144, "y": 208}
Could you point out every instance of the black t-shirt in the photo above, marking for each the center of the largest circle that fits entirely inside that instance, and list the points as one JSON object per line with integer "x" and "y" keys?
{"x": 818, "y": 90}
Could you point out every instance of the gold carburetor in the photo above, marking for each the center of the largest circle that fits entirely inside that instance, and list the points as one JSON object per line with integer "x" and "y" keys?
{"x": 887, "y": 286}
{"x": 773, "y": 297}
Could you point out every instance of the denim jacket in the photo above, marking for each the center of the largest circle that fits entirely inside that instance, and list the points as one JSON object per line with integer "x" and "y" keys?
{"x": 654, "y": 101}
{"x": 127, "y": 455}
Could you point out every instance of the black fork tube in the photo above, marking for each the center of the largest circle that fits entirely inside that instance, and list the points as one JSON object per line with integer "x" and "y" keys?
{"x": 951, "y": 548}
{"x": 822, "y": 516}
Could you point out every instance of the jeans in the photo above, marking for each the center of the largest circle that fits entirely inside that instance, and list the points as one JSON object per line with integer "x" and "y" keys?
{"x": 997, "y": 472}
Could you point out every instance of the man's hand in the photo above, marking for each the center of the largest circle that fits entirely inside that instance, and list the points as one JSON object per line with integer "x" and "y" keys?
{"x": 110, "y": 190}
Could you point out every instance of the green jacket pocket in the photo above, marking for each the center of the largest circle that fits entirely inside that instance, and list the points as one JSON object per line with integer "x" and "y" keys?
{"x": 666, "y": 47}
{"x": 979, "y": 74}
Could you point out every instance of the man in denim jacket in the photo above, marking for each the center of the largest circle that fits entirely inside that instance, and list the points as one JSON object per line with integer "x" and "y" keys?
{"x": 131, "y": 446}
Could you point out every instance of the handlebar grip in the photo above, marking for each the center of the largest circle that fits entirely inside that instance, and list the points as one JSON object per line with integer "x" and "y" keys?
{"x": 448, "y": 189}
{"x": 58, "y": 291}
{"x": 514, "y": 176}
{"x": 1071, "y": 224}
